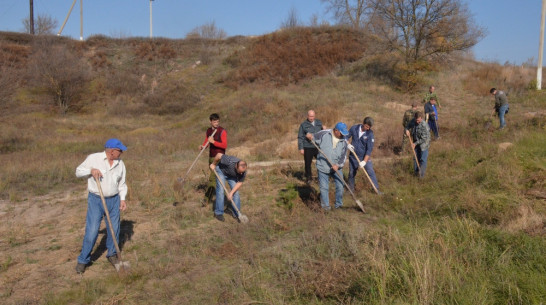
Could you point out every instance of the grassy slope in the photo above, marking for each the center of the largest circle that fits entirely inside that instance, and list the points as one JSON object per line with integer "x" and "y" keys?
{"x": 471, "y": 232}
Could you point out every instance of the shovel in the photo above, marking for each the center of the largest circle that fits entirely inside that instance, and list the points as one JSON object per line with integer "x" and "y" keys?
{"x": 180, "y": 180}
{"x": 121, "y": 264}
{"x": 414, "y": 154}
{"x": 360, "y": 205}
{"x": 366, "y": 173}
{"x": 240, "y": 215}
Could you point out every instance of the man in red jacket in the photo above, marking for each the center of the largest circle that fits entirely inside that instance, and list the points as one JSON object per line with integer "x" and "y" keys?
{"x": 217, "y": 144}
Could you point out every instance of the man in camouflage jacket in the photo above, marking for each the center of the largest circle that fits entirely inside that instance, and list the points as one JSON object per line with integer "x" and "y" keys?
{"x": 420, "y": 132}
{"x": 408, "y": 116}
{"x": 430, "y": 94}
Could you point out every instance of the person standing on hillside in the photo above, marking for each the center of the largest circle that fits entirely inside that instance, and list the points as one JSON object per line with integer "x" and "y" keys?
{"x": 232, "y": 170}
{"x": 408, "y": 116}
{"x": 217, "y": 144}
{"x": 334, "y": 146}
{"x": 306, "y": 148}
{"x": 431, "y": 116}
{"x": 431, "y": 94}
{"x": 419, "y": 131}
{"x": 362, "y": 145}
{"x": 501, "y": 105}
{"x": 110, "y": 170}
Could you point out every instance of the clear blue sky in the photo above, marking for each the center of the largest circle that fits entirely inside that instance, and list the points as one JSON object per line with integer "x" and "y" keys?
{"x": 512, "y": 25}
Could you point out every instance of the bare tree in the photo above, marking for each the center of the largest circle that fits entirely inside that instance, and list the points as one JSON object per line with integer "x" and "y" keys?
{"x": 43, "y": 25}
{"x": 292, "y": 20}
{"x": 421, "y": 29}
{"x": 354, "y": 13}
{"x": 58, "y": 73}
{"x": 207, "y": 31}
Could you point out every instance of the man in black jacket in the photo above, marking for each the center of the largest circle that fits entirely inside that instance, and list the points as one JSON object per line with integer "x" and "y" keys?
{"x": 306, "y": 148}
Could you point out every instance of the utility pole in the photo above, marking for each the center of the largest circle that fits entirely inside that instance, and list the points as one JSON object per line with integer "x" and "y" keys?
{"x": 541, "y": 46}
{"x": 81, "y": 20}
{"x": 151, "y": 33}
{"x": 31, "y": 18}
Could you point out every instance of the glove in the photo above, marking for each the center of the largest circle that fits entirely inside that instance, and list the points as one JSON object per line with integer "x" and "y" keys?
{"x": 362, "y": 164}
{"x": 351, "y": 147}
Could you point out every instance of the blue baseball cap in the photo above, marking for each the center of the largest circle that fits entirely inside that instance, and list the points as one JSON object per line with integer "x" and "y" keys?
{"x": 342, "y": 128}
{"x": 115, "y": 143}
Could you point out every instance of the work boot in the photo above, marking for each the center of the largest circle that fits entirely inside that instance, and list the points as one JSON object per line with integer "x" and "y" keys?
{"x": 219, "y": 217}
{"x": 232, "y": 213}
{"x": 80, "y": 268}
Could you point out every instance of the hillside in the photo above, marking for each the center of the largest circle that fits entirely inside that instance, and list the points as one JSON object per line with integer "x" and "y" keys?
{"x": 471, "y": 232}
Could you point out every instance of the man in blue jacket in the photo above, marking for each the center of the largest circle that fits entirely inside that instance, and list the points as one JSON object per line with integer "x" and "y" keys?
{"x": 333, "y": 147}
{"x": 362, "y": 144}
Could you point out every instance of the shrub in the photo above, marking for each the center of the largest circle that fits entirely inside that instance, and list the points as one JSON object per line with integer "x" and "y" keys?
{"x": 294, "y": 55}
{"x": 59, "y": 73}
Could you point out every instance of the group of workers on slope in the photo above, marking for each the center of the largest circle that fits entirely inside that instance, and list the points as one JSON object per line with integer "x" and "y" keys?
{"x": 328, "y": 146}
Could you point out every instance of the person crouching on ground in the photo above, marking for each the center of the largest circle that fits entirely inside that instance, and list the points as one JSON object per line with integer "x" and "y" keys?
{"x": 232, "y": 170}
{"x": 333, "y": 144}
{"x": 110, "y": 170}
{"x": 362, "y": 145}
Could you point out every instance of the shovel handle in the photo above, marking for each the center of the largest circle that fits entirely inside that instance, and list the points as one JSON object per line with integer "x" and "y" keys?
{"x": 414, "y": 154}
{"x": 366, "y": 173}
{"x": 197, "y": 158}
{"x": 227, "y": 194}
{"x": 340, "y": 176}
{"x": 114, "y": 239}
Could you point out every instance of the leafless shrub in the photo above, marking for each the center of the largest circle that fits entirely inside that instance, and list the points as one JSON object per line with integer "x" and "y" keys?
{"x": 354, "y": 13}
{"x": 59, "y": 74}
{"x": 207, "y": 31}
{"x": 292, "y": 20}
{"x": 43, "y": 25}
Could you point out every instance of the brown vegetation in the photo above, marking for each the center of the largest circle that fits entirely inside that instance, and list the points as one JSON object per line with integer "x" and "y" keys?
{"x": 477, "y": 217}
{"x": 293, "y": 55}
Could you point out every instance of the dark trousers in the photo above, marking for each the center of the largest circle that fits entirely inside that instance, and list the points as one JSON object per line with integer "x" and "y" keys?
{"x": 434, "y": 127}
{"x": 211, "y": 185}
{"x": 308, "y": 154}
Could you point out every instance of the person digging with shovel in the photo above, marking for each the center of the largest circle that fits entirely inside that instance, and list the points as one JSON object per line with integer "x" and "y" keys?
{"x": 232, "y": 170}
{"x": 109, "y": 169}
{"x": 361, "y": 149}
{"x": 332, "y": 146}
{"x": 419, "y": 134}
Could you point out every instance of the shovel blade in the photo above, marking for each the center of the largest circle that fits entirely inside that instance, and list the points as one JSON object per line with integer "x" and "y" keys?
{"x": 243, "y": 218}
{"x": 360, "y": 205}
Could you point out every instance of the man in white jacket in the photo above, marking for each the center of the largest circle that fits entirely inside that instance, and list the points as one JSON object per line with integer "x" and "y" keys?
{"x": 110, "y": 170}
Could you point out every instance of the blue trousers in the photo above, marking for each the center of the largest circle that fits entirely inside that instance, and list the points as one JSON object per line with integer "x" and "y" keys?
{"x": 422, "y": 156}
{"x": 324, "y": 182}
{"x": 219, "y": 209}
{"x": 502, "y": 112}
{"x": 95, "y": 213}
{"x": 353, "y": 170}
{"x": 433, "y": 124}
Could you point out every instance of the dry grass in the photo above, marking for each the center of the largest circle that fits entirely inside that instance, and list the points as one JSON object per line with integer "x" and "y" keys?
{"x": 471, "y": 232}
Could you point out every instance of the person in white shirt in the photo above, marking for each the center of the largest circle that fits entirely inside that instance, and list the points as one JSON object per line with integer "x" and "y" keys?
{"x": 110, "y": 170}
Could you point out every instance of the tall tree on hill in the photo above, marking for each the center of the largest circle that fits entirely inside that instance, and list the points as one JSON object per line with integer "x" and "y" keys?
{"x": 425, "y": 29}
